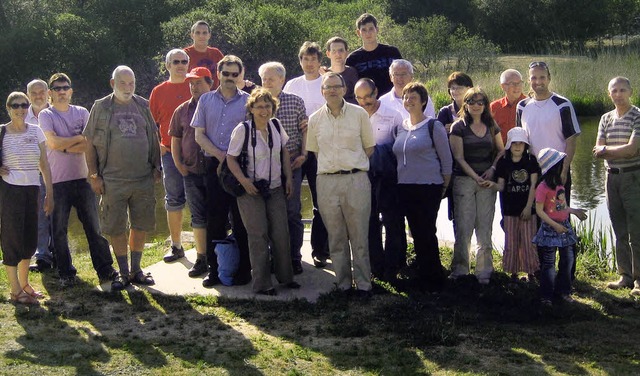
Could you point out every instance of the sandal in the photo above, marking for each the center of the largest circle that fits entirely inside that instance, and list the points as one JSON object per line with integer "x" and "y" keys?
{"x": 141, "y": 278}
{"x": 33, "y": 293}
{"x": 119, "y": 283}
{"x": 23, "y": 298}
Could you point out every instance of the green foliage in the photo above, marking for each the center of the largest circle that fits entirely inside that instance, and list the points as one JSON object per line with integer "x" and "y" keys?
{"x": 595, "y": 256}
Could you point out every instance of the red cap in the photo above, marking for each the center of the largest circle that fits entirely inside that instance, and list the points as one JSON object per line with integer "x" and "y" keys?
{"x": 199, "y": 72}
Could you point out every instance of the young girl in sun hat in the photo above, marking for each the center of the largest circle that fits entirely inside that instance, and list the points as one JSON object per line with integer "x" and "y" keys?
{"x": 555, "y": 232}
{"x": 517, "y": 174}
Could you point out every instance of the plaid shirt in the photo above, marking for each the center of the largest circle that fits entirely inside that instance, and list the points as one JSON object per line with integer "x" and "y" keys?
{"x": 290, "y": 113}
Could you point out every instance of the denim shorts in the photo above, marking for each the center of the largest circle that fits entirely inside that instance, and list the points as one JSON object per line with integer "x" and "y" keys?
{"x": 196, "y": 190}
{"x": 173, "y": 181}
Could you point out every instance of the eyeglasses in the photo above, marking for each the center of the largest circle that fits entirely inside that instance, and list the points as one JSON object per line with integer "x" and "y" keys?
{"x": 479, "y": 102}
{"x": 332, "y": 87}
{"x": 60, "y": 88}
{"x": 263, "y": 107}
{"x": 542, "y": 64}
{"x": 183, "y": 62}
{"x": 232, "y": 74}
{"x": 15, "y": 106}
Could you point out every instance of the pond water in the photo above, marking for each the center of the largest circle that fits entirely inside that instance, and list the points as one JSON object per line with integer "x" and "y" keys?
{"x": 587, "y": 192}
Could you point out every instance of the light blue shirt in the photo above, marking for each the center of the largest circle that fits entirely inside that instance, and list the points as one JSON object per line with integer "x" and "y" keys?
{"x": 219, "y": 116}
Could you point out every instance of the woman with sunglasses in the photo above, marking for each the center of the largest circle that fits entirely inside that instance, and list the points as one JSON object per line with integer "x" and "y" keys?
{"x": 24, "y": 157}
{"x": 476, "y": 144}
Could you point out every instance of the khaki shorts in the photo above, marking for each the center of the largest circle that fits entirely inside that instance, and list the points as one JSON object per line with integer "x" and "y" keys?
{"x": 127, "y": 204}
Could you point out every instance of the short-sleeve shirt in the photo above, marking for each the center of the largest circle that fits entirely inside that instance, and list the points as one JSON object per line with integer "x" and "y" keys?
{"x": 554, "y": 200}
{"x": 208, "y": 59}
{"x": 21, "y": 155}
{"x": 65, "y": 166}
{"x": 385, "y": 123}
{"x": 617, "y": 131}
{"x": 260, "y": 163}
{"x": 290, "y": 113}
{"x": 340, "y": 142}
{"x": 128, "y": 142}
{"x": 517, "y": 182}
{"x": 180, "y": 128}
{"x": 350, "y": 76}
{"x": 164, "y": 100}
{"x": 309, "y": 91}
{"x": 504, "y": 113}
{"x": 375, "y": 64}
{"x": 448, "y": 114}
{"x": 549, "y": 122}
{"x": 478, "y": 151}
{"x": 219, "y": 116}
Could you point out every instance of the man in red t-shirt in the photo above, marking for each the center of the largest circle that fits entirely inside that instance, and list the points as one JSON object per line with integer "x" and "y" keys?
{"x": 164, "y": 99}
{"x": 504, "y": 109}
{"x": 200, "y": 54}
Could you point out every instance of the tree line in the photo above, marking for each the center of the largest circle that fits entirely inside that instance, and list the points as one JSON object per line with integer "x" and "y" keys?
{"x": 87, "y": 39}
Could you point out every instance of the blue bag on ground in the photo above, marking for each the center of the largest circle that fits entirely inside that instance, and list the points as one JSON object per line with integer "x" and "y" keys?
{"x": 228, "y": 255}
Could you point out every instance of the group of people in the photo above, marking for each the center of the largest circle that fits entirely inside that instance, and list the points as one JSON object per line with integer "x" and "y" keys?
{"x": 363, "y": 133}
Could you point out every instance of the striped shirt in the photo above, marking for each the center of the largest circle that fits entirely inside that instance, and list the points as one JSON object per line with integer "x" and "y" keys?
{"x": 21, "y": 155}
{"x": 290, "y": 113}
{"x": 614, "y": 131}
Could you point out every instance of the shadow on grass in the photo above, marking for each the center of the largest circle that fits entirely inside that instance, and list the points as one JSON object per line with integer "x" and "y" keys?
{"x": 129, "y": 331}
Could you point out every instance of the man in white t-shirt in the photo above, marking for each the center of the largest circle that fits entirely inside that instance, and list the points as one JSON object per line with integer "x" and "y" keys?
{"x": 62, "y": 124}
{"x": 309, "y": 88}
{"x": 401, "y": 73}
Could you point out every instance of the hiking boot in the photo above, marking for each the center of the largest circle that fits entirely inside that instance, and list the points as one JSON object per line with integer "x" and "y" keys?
{"x": 174, "y": 254}
{"x": 198, "y": 269}
{"x": 622, "y": 283}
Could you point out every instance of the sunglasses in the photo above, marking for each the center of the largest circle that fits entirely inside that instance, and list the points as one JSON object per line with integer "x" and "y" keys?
{"x": 183, "y": 62}
{"x": 534, "y": 64}
{"x": 15, "y": 106}
{"x": 479, "y": 102}
{"x": 60, "y": 88}
{"x": 232, "y": 74}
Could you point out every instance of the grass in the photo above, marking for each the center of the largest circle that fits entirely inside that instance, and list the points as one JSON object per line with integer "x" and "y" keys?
{"x": 467, "y": 329}
{"x": 581, "y": 79}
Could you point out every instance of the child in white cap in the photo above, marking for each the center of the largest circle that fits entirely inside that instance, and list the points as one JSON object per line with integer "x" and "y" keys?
{"x": 555, "y": 231}
{"x": 517, "y": 174}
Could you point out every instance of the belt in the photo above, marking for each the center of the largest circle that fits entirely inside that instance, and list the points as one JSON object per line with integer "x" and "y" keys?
{"x": 622, "y": 170}
{"x": 344, "y": 172}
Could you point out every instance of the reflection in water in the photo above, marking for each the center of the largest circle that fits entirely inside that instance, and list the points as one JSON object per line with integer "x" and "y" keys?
{"x": 588, "y": 177}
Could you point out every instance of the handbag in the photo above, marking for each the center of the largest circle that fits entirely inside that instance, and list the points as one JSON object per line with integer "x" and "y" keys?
{"x": 227, "y": 180}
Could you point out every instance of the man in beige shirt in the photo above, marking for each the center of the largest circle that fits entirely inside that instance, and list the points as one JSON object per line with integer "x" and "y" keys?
{"x": 340, "y": 134}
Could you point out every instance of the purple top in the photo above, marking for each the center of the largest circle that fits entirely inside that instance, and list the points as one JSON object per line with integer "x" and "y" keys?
{"x": 421, "y": 161}
{"x": 65, "y": 166}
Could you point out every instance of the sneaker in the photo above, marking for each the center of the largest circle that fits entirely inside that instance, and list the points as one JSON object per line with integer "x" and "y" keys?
{"x": 109, "y": 276}
{"x": 174, "y": 254}
{"x": 40, "y": 266}
{"x": 622, "y": 283}
{"x": 319, "y": 262}
{"x": 198, "y": 269}
{"x": 68, "y": 281}
{"x": 211, "y": 279}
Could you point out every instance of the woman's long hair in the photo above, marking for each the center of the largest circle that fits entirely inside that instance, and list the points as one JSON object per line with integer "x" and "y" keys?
{"x": 472, "y": 94}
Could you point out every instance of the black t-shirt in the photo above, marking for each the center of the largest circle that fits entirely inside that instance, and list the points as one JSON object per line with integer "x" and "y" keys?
{"x": 517, "y": 182}
{"x": 375, "y": 65}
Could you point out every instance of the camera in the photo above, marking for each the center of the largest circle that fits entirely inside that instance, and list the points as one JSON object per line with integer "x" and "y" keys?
{"x": 263, "y": 188}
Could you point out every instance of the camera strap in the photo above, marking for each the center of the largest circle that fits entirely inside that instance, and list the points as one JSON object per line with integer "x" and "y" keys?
{"x": 254, "y": 142}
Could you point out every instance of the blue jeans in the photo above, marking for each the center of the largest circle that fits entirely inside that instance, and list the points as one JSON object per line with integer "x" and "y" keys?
{"x": 294, "y": 216}
{"x": 195, "y": 187}
{"x": 78, "y": 194}
{"x": 550, "y": 282}
{"x": 173, "y": 181}
{"x": 43, "y": 252}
